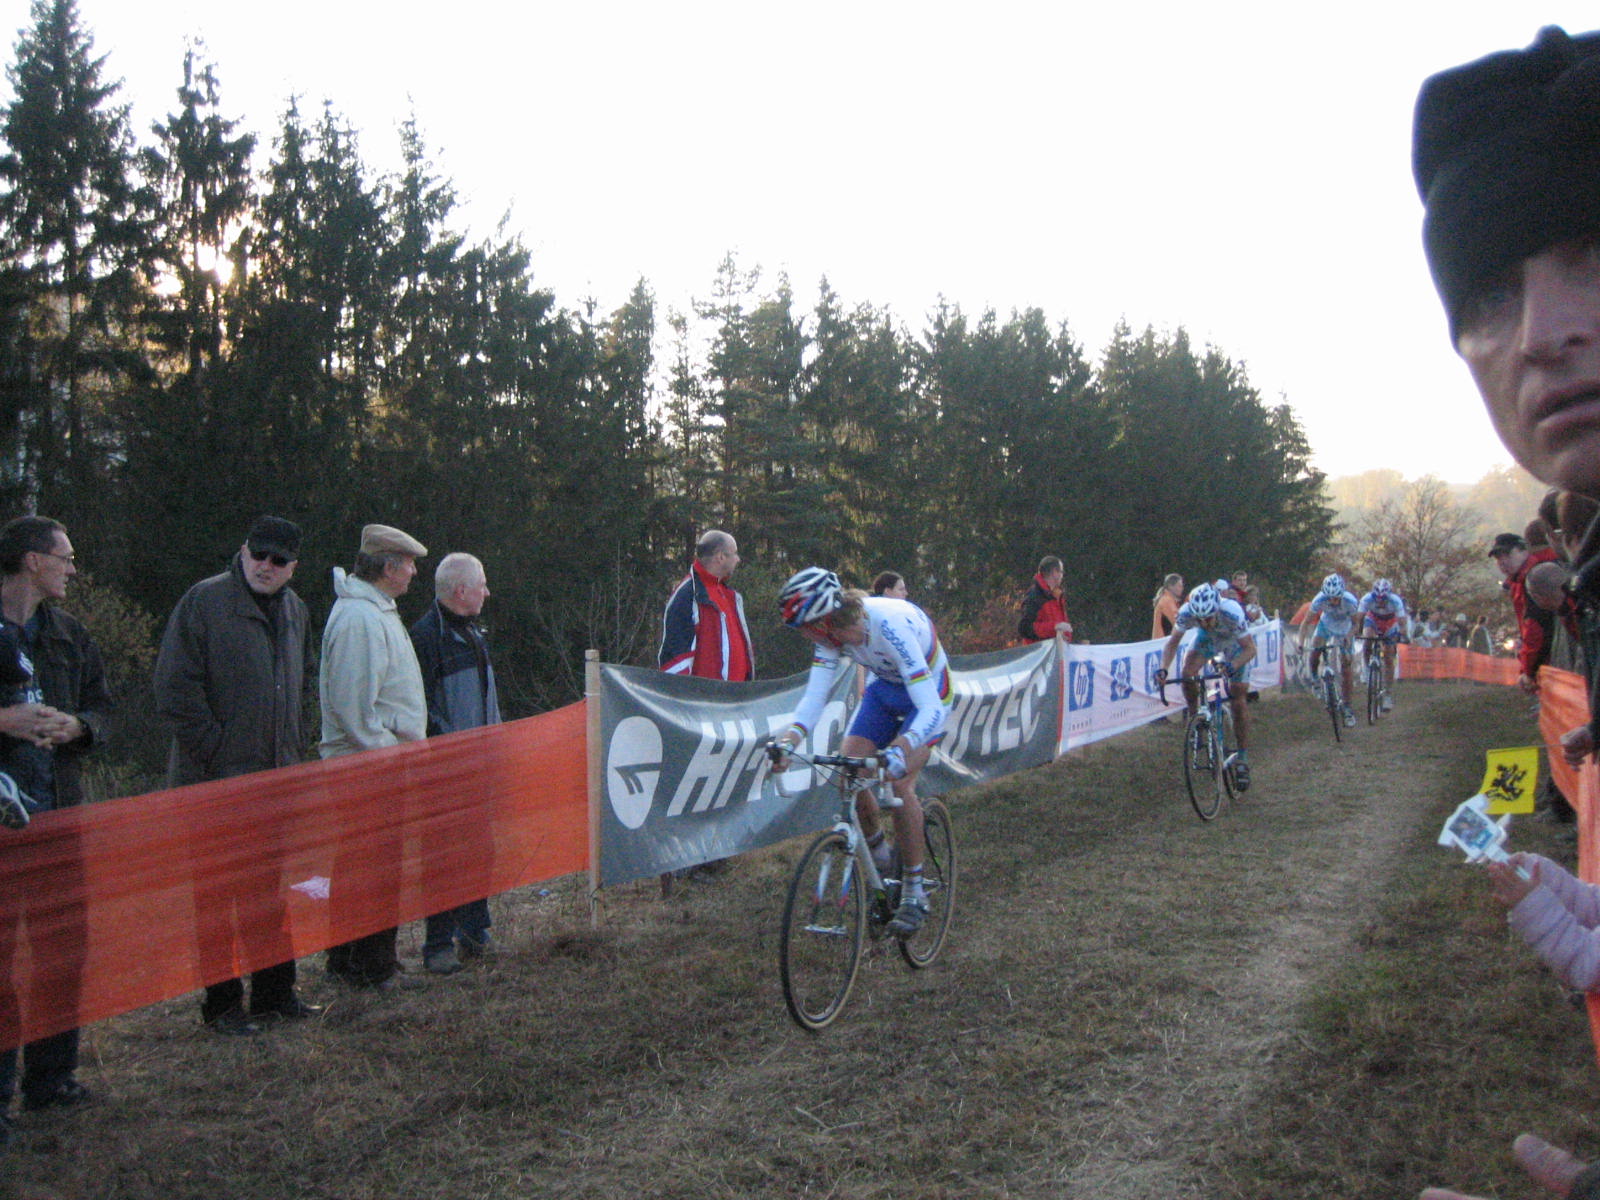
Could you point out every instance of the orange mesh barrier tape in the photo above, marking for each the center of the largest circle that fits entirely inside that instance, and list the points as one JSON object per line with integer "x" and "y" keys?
{"x": 1419, "y": 663}
{"x": 1563, "y": 704}
{"x": 118, "y": 905}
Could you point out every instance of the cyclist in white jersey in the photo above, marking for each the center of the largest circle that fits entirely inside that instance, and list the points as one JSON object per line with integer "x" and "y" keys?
{"x": 1223, "y": 629}
{"x": 1335, "y": 609}
{"x": 901, "y": 714}
{"x": 1383, "y": 615}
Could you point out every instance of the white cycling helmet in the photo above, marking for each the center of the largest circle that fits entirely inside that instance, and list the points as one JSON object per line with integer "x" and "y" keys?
{"x": 809, "y": 596}
{"x": 1333, "y": 586}
{"x": 1380, "y": 589}
{"x": 1203, "y": 601}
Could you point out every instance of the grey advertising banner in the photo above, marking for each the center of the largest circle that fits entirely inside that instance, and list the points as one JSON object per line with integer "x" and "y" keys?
{"x": 1005, "y": 717}
{"x": 684, "y": 779}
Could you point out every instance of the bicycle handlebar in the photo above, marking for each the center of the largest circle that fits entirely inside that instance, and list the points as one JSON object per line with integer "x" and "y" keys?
{"x": 872, "y": 762}
{"x": 1219, "y": 669}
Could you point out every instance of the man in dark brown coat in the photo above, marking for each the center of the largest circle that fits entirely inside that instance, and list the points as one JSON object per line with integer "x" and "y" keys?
{"x": 230, "y": 680}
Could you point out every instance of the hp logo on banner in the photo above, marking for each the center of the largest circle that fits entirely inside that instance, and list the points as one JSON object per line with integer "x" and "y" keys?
{"x": 633, "y": 768}
{"x": 1121, "y": 679}
{"x": 1080, "y": 686}
{"x": 1152, "y": 664}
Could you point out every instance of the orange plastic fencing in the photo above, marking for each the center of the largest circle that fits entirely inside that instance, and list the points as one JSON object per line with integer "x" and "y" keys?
{"x": 1417, "y": 662}
{"x": 1563, "y": 704}
{"x": 118, "y": 905}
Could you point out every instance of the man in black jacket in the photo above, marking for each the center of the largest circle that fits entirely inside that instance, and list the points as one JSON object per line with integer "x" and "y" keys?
{"x": 46, "y": 726}
{"x": 459, "y": 681}
{"x": 230, "y": 681}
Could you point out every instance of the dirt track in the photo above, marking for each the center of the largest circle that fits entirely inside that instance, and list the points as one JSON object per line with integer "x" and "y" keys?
{"x": 1121, "y": 980}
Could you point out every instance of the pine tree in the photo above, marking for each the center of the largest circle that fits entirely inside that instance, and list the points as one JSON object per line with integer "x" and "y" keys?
{"x": 76, "y": 242}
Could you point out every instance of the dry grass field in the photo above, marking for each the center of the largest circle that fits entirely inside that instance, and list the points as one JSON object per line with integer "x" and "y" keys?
{"x": 1304, "y": 998}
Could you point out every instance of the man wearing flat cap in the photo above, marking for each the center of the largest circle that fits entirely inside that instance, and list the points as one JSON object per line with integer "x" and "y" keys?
{"x": 372, "y": 695}
{"x": 230, "y": 681}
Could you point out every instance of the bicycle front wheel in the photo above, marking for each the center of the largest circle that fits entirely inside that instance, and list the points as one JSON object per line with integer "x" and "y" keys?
{"x": 939, "y": 880}
{"x": 1374, "y": 689}
{"x": 1226, "y": 745}
{"x": 1202, "y": 768}
{"x": 824, "y": 932}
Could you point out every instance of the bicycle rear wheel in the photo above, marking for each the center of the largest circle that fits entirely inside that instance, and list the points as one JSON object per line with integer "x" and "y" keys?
{"x": 1201, "y": 768}
{"x": 939, "y": 880}
{"x": 824, "y": 932}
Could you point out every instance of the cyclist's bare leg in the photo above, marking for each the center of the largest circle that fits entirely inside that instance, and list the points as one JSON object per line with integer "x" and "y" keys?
{"x": 908, "y": 820}
{"x": 1241, "y": 713}
{"x": 1192, "y": 663}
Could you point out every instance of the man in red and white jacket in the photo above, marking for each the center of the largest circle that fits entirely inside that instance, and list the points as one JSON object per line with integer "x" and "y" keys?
{"x": 1044, "y": 609}
{"x": 703, "y": 631}
{"x": 1534, "y": 625}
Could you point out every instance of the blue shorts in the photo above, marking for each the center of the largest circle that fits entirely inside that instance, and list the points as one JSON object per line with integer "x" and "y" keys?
{"x": 883, "y": 712}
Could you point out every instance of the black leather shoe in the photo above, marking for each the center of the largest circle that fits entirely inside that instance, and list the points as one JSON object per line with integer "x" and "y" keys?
{"x": 292, "y": 1009}
{"x": 68, "y": 1094}
{"x": 233, "y": 1023}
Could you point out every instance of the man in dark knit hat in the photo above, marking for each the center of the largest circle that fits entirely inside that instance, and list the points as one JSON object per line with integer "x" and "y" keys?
{"x": 1506, "y": 158}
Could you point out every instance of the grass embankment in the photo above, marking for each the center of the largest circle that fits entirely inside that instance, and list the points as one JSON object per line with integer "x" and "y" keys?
{"x": 1303, "y": 998}
{"x": 1440, "y": 1037}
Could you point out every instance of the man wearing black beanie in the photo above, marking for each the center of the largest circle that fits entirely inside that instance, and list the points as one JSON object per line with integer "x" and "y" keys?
{"x": 1506, "y": 157}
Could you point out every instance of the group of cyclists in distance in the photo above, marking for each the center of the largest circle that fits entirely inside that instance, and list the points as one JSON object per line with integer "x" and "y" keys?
{"x": 1381, "y": 614}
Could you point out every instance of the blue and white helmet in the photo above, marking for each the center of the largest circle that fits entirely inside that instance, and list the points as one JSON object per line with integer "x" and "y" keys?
{"x": 809, "y": 596}
{"x": 1333, "y": 586}
{"x": 1380, "y": 589}
{"x": 1203, "y": 602}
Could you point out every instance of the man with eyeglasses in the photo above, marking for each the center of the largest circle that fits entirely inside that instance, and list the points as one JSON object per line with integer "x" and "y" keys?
{"x": 46, "y": 726}
{"x": 230, "y": 681}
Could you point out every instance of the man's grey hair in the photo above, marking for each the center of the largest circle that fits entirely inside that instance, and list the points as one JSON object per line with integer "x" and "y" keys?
{"x": 712, "y": 542}
{"x": 456, "y": 570}
{"x": 369, "y": 568}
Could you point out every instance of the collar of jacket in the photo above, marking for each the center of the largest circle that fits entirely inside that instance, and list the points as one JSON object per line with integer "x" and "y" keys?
{"x": 348, "y": 587}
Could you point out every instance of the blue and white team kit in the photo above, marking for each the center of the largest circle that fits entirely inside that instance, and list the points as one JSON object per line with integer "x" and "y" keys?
{"x": 1226, "y": 635}
{"x": 910, "y": 693}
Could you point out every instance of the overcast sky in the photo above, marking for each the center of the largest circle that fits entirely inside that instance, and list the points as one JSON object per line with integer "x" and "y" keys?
{"x": 1241, "y": 170}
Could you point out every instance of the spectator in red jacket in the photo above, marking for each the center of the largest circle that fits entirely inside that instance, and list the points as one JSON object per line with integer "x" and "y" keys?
{"x": 1534, "y": 625}
{"x": 1044, "y": 612}
{"x": 703, "y": 631}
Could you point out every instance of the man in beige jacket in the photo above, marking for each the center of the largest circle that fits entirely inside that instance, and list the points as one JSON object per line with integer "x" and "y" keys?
{"x": 372, "y": 696}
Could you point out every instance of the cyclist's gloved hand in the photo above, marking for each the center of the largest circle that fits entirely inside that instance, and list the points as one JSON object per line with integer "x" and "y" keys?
{"x": 778, "y": 755}
{"x": 894, "y": 762}
{"x": 1161, "y": 676}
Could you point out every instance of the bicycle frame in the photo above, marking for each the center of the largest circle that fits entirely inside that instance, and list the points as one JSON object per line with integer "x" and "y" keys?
{"x": 837, "y": 896}
{"x": 848, "y": 777}
{"x": 1376, "y": 672}
{"x": 1205, "y": 736}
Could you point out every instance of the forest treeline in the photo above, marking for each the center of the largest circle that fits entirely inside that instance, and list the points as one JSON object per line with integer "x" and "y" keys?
{"x": 197, "y": 326}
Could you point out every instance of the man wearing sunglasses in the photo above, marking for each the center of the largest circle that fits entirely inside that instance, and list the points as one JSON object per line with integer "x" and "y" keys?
{"x": 230, "y": 681}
